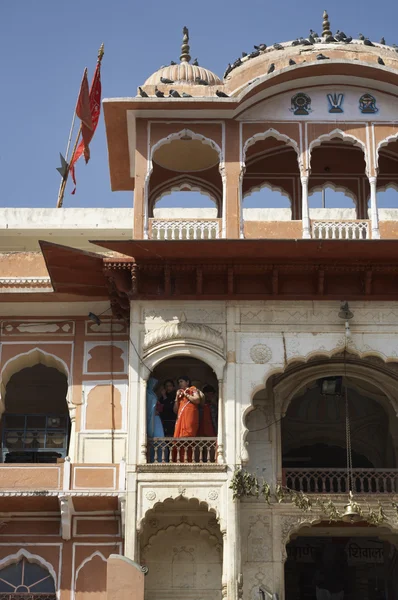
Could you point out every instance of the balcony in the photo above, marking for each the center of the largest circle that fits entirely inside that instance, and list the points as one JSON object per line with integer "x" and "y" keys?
{"x": 334, "y": 481}
{"x": 340, "y": 230}
{"x": 182, "y": 451}
{"x": 184, "y": 229}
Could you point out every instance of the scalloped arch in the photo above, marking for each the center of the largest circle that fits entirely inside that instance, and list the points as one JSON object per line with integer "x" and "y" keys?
{"x": 29, "y": 359}
{"x": 270, "y": 133}
{"x": 87, "y": 560}
{"x": 194, "y": 499}
{"x": 336, "y": 188}
{"x": 272, "y": 188}
{"x": 212, "y": 358}
{"x": 342, "y": 135}
{"x": 33, "y": 558}
{"x": 194, "y": 528}
{"x": 383, "y": 144}
{"x": 184, "y": 133}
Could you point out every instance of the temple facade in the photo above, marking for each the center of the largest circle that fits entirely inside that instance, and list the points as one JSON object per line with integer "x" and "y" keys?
{"x": 201, "y": 403}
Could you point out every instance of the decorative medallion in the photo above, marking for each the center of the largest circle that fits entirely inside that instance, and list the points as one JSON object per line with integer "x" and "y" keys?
{"x": 335, "y": 103}
{"x": 367, "y": 104}
{"x": 260, "y": 354}
{"x": 213, "y": 495}
{"x": 301, "y": 104}
{"x": 150, "y": 495}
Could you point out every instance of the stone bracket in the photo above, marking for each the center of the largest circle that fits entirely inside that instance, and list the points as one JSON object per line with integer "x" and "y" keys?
{"x": 67, "y": 510}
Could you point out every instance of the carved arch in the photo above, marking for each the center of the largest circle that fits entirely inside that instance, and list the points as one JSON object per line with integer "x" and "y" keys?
{"x": 29, "y": 359}
{"x": 336, "y": 188}
{"x": 183, "y": 134}
{"x": 268, "y": 185}
{"x": 181, "y": 348}
{"x": 199, "y": 495}
{"x": 32, "y": 558}
{"x": 271, "y": 133}
{"x": 383, "y": 144}
{"x": 342, "y": 135}
{"x": 181, "y": 183}
{"x": 87, "y": 560}
{"x": 194, "y": 528}
{"x": 292, "y": 383}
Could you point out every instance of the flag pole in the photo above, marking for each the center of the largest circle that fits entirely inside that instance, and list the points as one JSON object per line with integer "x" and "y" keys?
{"x": 64, "y": 181}
{"x": 61, "y": 192}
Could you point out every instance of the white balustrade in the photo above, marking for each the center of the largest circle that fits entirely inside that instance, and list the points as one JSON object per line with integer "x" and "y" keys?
{"x": 184, "y": 229}
{"x": 334, "y": 481}
{"x": 182, "y": 450}
{"x": 340, "y": 230}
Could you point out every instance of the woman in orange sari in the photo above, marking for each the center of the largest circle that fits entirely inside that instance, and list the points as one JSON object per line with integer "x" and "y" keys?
{"x": 186, "y": 407}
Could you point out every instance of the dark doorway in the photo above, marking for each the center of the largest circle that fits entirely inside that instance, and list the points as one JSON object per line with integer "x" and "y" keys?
{"x": 340, "y": 568}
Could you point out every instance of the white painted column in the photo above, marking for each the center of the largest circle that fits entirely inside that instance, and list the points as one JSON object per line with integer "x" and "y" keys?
{"x": 136, "y": 434}
{"x": 220, "y": 434}
{"x": 374, "y": 213}
{"x": 305, "y": 211}
{"x": 232, "y": 570}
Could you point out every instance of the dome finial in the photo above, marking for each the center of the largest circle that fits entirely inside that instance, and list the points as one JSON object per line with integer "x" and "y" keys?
{"x": 326, "y": 25}
{"x": 185, "y": 56}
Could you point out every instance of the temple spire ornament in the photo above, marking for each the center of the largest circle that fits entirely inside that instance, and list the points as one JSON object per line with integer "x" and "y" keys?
{"x": 185, "y": 56}
{"x": 326, "y": 25}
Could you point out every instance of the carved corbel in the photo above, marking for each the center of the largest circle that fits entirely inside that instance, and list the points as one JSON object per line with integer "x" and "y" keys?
{"x": 66, "y": 509}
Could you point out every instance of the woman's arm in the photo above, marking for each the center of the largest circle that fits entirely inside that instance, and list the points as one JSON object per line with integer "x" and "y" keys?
{"x": 194, "y": 396}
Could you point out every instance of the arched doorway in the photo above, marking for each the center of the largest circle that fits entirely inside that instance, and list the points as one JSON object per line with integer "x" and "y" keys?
{"x": 340, "y": 563}
{"x": 182, "y": 546}
{"x": 162, "y": 392}
{"x": 35, "y": 425}
{"x": 314, "y": 441}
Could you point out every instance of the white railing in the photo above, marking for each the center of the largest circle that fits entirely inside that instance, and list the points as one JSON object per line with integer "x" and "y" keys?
{"x": 340, "y": 230}
{"x": 334, "y": 481}
{"x": 184, "y": 229}
{"x": 181, "y": 450}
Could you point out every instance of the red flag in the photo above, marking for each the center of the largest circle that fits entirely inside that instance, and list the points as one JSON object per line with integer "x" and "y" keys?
{"x": 83, "y": 110}
{"x": 95, "y": 111}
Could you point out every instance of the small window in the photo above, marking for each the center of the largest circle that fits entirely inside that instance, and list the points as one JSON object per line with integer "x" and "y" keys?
{"x": 34, "y": 438}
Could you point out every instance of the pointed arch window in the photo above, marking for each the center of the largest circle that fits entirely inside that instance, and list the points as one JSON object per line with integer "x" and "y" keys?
{"x": 26, "y": 580}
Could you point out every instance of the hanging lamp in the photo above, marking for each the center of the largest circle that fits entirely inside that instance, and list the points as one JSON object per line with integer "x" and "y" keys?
{"x": 352, "y": 512}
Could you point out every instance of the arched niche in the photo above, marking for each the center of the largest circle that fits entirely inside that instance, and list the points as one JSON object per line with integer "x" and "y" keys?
{"x": 181, "y": 544}
{"x": 340, "y": 160}
{"x": 192, "y": 195}
{"x": 36, "y": 422}
{"x": 263, "y": 155}
{"x": 332, "y": 201}
{"x": 184, "y": 156}
{"x": 162, "y": 352}
{"x": 29, "y": 359}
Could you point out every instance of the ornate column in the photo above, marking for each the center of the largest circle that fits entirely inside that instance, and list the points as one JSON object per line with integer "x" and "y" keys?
{"x": 73, "y": 450}
{"x": 305, "y": 211}
{"x": 374, "y": 214}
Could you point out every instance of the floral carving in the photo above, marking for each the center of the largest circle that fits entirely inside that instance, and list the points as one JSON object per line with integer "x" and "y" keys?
{"x": 150, "y": 495}
{"x": 183, "y": 330}
{"x": 213, "y": 495}
{"x": 260, "y": 354}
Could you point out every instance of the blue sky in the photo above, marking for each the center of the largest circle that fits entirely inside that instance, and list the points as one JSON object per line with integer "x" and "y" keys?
{"x": 45, "y": 45}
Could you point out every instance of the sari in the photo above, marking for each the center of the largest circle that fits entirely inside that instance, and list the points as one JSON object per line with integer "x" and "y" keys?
{"x": 187, "y": 424}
